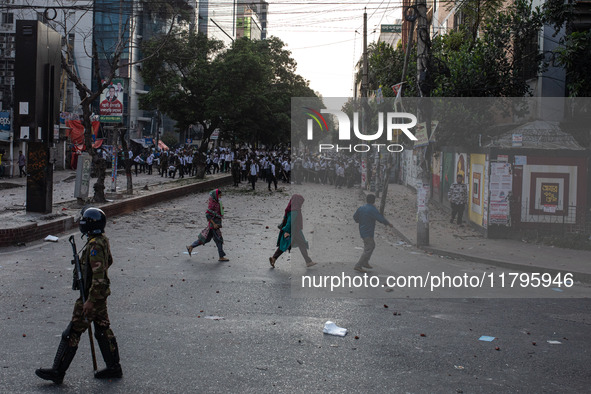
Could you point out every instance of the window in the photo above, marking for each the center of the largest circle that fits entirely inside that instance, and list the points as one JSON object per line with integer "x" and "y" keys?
{"x": 7, "y": 18}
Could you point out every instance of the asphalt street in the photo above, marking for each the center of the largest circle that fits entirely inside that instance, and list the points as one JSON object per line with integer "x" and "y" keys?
{"x": 193, "y": 324}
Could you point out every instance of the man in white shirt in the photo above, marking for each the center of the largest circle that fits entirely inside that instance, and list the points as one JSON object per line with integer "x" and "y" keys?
{"x": 150, "y": 162}
{"x": 254, "y": 170}
{"x": 272, "y": 177}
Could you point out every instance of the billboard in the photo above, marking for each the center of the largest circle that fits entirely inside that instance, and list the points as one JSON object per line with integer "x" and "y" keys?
{"x": 5, "y": 126}
{"x": 111, "y": 106}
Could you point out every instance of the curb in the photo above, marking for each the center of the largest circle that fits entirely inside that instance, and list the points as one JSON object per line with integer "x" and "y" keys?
{"x": 577, "y": 276}
{"x": 34, "y": 231}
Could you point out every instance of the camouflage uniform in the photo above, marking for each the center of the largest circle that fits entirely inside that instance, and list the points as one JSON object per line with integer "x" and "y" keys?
{"x": 94, "y": 265}
{"x": 458, "y": 196}
{"x": 95, "y": 262}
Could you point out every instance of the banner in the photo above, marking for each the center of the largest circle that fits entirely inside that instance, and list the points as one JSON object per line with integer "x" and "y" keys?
{"x": 111, "y": 107}
{"x": 5, "y": 126}
{"x": 76, "y": 131}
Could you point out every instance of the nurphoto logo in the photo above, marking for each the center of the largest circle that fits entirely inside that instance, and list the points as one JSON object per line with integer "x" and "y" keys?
{"x": 393, "y": 121}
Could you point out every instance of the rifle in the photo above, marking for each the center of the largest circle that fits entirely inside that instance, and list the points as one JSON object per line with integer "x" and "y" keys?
{"x": 79, "y": 285}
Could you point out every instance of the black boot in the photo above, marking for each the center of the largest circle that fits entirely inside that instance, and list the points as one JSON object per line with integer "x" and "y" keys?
{"x": 63, "y": 358}
{"x": 110, "y": 353}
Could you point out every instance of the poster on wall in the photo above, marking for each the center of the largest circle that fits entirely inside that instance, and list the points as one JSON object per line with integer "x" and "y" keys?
{"x": 111, "y": 106}
{"x": 476, "y": 188}
{"x": 461, "y": 164}
{"x": 550, "y": 193}
{"x": 421, "y": 133}
{"x": 500, "y": 188}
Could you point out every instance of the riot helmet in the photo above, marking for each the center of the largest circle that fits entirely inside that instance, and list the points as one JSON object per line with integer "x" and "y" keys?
{"x": 93, "y": 221}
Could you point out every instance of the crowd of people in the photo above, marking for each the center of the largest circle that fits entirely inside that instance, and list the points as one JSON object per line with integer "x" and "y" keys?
{"x": 270, "y": 166}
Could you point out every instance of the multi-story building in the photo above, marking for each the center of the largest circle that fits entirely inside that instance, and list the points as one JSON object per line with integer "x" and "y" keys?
{"x": 75, "y": 24}
{"x": 391, "y": 33}
{"x": 217, "y": 19}
{"x": 111, "y": 23}
{"x": 257, "y": 10}
{"x": 247, "y": 22}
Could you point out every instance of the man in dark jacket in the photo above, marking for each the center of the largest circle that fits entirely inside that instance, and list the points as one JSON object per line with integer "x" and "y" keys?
{"x": 366, "y": 216}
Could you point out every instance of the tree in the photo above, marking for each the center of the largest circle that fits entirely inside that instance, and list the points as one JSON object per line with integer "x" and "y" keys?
{"x": 473, "y": 13}
{"x": 88, "y": 97}
{"x": 574, "y": 50}
{"x": 107, "y": 60}
{"x": 245, "y": 91}
{"x": 256, "y": 98}
{"x": 184, "y": 82}
{"x": 574, "y": 57}
{"x": 385, "y": 65}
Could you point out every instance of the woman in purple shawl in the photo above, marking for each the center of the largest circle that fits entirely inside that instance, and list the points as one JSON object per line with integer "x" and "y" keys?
{"x": 214, "y": 215}
{"x": 290, "y": 231}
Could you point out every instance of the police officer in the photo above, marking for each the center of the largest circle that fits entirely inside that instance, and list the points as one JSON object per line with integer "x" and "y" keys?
{"x": 95, "y": 262}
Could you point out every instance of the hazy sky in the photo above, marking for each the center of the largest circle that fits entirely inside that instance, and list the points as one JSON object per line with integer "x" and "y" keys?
{"x": 326, "y": 37}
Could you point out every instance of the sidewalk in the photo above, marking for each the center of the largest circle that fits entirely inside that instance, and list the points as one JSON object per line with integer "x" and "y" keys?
{"x": 448, "y": 239}
{"x": 18, "y": 226}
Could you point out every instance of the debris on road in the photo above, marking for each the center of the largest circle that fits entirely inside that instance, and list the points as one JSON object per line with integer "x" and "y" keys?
{"x": 51, "y": 238}
{"x": 214, "y": 318}
{"x": 486, "y": 338}
{"x": 332, "y": 329}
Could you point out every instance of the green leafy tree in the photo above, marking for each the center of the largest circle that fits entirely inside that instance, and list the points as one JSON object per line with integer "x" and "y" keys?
{"x": 473, "y": 13}
{"x": 574, "y": 48}
{"x": 574, "y": 57}
{"x": 244, "y": 90}
{"x": 385, "y": 65}
{"x": 260, "y": 80}
{"x": 185, "y": 81}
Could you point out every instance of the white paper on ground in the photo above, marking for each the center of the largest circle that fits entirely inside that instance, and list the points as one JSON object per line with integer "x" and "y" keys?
{"x": 332, "y": 329}
{"x": 51, "y": 238}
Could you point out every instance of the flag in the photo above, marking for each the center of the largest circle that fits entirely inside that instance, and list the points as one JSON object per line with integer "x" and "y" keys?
{"x": 379, "y": 95}
{"x": 398, "y": 91}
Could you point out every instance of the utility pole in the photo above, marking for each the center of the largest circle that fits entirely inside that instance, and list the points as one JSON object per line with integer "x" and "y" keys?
{"x": 410, "y": 15}
{"x": 423, "y": 186}
{"x": 364, "y": 82}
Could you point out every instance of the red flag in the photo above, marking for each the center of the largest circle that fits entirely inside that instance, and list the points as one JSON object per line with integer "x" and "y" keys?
{"x": 396, "y": 88}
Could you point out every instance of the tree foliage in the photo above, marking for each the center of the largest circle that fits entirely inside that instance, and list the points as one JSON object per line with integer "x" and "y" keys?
{"x": 574, "y": 48}
{"x": 244, "y": 90}
{"x": 385, "y": 65}
{"x": 260, "y": 80}
{"x": 495, "y": 64}
{"x": 574, "y": 56}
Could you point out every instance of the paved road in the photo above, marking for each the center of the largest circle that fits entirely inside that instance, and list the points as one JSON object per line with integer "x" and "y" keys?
{"x": 270, "y": 338}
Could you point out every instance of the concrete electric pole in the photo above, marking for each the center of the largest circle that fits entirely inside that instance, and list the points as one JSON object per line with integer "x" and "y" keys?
{"x": 423, "y": 186}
